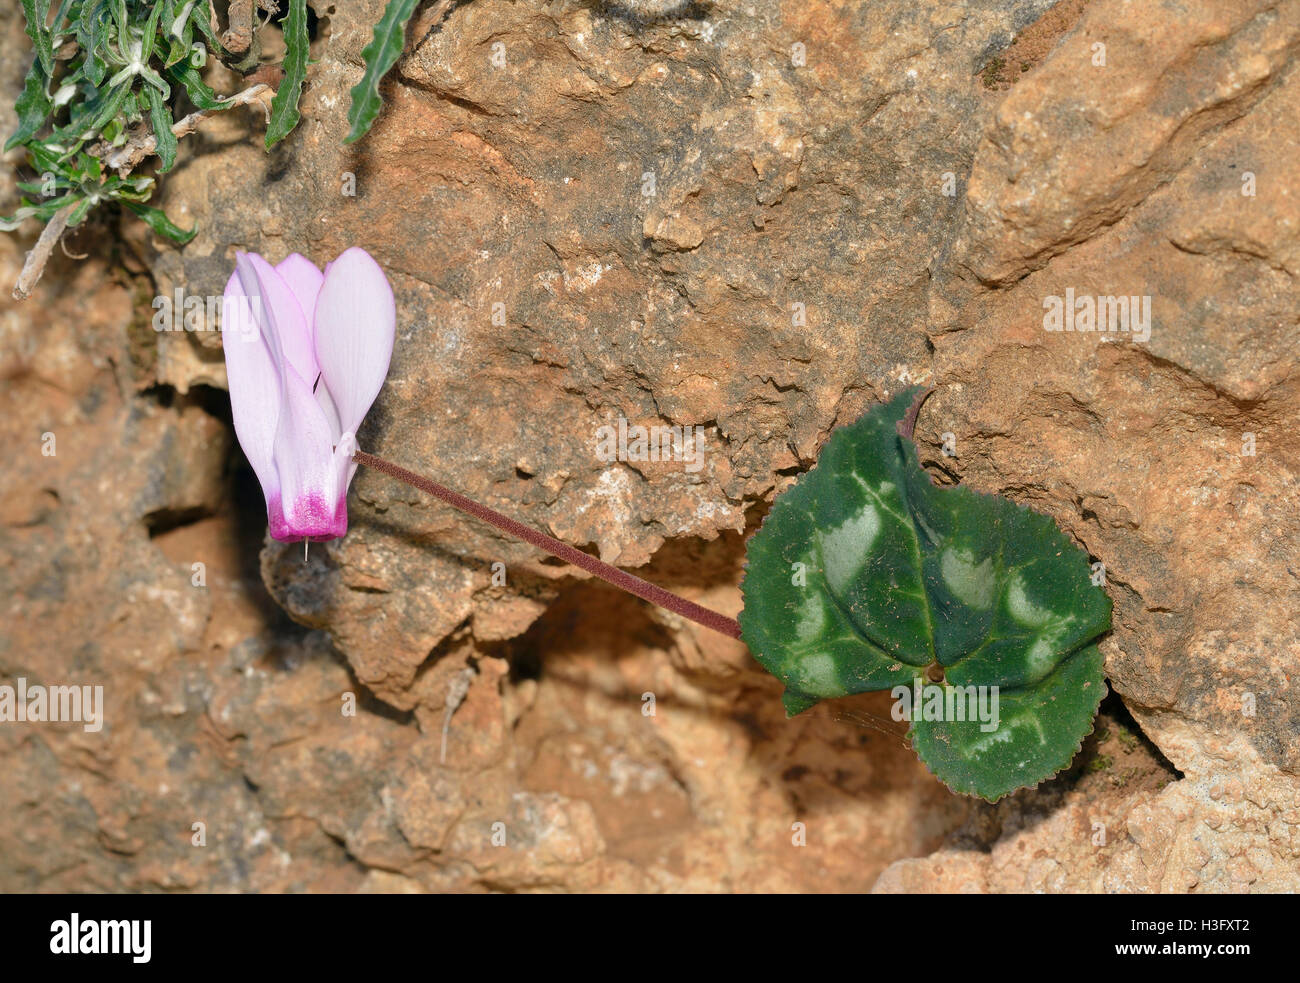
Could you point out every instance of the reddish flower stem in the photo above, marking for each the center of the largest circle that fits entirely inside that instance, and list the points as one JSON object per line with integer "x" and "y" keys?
{"x": 611, "y": 574}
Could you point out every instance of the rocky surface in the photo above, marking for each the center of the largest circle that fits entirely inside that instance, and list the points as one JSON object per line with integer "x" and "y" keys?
{"x": 846, "y": 198}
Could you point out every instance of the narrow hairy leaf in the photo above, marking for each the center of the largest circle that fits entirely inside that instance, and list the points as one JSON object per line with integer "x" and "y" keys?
{"x": 59, "y": 26}
{"x": 178, "y": 24}
{"x": 201, "y": 17}
{"x": 91, "y": 118}
{"x": 105, "y": 107}
{"x": 36, "y": 12}
{"x": 129, "y": 189}
{"x": 43, "y": 210}
{"x": 380, "y": 55}
{"x": 122, "y": 21}
{"x": 161, "y": 119}
{"x": 284, "y": 107}
{"x": 32, "y": 107}
{"x": 43, "y": 158}
{"x": 78, "y": 214}
{"x": 41, "y": 186}
{"x": 160, "y": 223}
{"x": 177, "y": 50}
{"x": 868, "y": 576}
{"x": 186, "y": 75}
{"x": 151, "y": 32}
{"x": 179, "y": 33}
{"x": 91, "y": 26}
{"x": 89, "y": 167}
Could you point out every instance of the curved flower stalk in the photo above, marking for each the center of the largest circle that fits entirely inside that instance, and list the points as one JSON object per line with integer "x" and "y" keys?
{"x": 306, "y": 355}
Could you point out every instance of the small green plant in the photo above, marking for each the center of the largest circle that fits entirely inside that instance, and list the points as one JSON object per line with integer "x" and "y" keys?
{"x": 103, "y": 94}
{"x": 1101, "y": 762}
{"x": 867, "y": 576}
{"x": 1128, "y": 741}
{"x": 105, "y": 87}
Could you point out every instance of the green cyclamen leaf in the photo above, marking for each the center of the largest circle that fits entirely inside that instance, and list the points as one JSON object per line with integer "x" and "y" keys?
{"x": 161, "y": 119}
{"x": 284, "y": 107}
{"x": 1039, "y": 730}
{"x": 37, "y": 12}
{"x": 160, "y": 223}
{"x": 380, "y": 55}
{"x": 866, "y": 574}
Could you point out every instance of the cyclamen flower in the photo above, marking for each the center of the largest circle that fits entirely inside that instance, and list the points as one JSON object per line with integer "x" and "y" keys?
{"x": 302, "y": 377}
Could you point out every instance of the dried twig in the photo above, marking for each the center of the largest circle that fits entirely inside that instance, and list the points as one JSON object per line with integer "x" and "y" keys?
{"x": 63, "y": 245}
{"x": 457, "y": 690}
{"x": 127, "y": 157}
{"x": 39, "y": 255}
{"x": 240, "y": 35}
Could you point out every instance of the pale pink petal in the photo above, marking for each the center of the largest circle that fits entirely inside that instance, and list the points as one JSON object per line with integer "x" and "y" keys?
{"x": 355, "y": 321}
{"x": 304, "y": 279}
{"x": 304, "y": 460}
{"x": 344, "y": 469}
{"x": 289, "y": 334}
{"x": 254, "y": 382}
{"x": 327, "y": 407}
